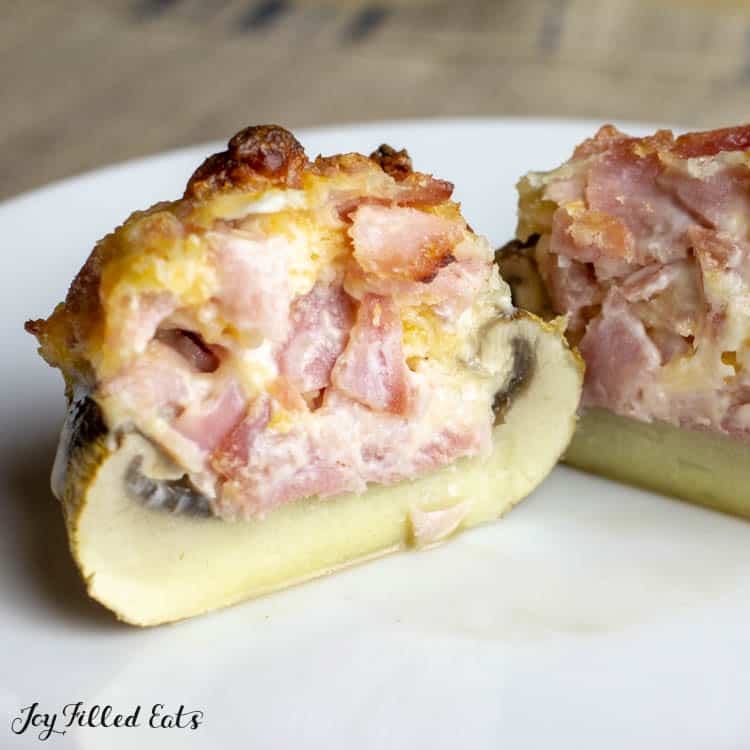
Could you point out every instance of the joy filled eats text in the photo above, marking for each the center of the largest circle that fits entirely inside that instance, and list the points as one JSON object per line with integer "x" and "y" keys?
{"x": 34, "y": 719}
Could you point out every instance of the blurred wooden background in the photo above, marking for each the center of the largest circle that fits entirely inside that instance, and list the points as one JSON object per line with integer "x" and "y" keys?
{"x": 90, "y": 82}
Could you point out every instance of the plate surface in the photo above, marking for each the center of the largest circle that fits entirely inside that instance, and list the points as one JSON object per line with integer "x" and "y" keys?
{"x": 593, "y": 616}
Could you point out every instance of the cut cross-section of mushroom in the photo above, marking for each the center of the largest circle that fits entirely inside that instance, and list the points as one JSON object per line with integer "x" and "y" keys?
{"x": 298, "y": 366}
{"x": 151, "y": 565}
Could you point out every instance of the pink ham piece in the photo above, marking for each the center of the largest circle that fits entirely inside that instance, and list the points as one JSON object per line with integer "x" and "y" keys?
{"x": 208, "y": 425}
{"x": 403, "y": 243}
{"x": 452, "y": 441}
{"x": 456, "y": 286}
{"x": 624, "y": 187}
{"x": 265, "y": 467}
{"x": 572, "y": 287}
{"x": 155, "y": 383}
{"x": 146, "y": 312}
{"x": 591, "y": 236}
{"x": 253, "y": 277}
{"x": 717, "y": 199}
{"x": 372, "y": 368}
{"x": 320, "y": 322}
{"x": 233, "y": 452}
{"x": 715, "y": 250}
{"x": 619, "y": 357}
{"x": 452, "y": 291}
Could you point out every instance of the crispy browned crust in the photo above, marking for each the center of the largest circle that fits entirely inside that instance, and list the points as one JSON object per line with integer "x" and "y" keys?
{"x": 686, "y": 146}
{"x": 423, "y": 189}
{"x": 395, "y": 163}
{"x": 426, "y": 190}
{"x": 331, "y": 166}
{"x": 255, "y": 156}
{"x": 64, "y": 335}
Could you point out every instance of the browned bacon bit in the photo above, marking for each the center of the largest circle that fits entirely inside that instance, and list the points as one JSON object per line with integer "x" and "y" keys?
{"x": 331, "y": 166}
{"x": 256, "y": 155}
{"x": 395, "y": 163}
{"x": 687, "y": 146}
{"x": 34, "y": 327}
{"x": 713, "y": 142}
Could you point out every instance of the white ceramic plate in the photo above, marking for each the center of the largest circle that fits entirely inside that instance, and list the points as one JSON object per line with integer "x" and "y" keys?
{"x": 593, "y": 616}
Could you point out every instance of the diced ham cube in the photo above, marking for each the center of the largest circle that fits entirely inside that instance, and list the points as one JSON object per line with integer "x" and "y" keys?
{"x": 372, "y": 368}
{"x": 320, "y": 322}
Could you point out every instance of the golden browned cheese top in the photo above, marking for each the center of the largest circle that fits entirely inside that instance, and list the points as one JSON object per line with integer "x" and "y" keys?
{"x": 258, "y": 160}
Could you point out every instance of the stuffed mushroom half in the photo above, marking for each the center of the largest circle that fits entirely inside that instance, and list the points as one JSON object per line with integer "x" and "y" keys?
{"x": 298, "y": 365}
{"x": 643, "y": 244}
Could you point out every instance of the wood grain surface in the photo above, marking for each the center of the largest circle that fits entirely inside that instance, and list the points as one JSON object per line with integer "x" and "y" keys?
{"x": 90, "y": 82}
